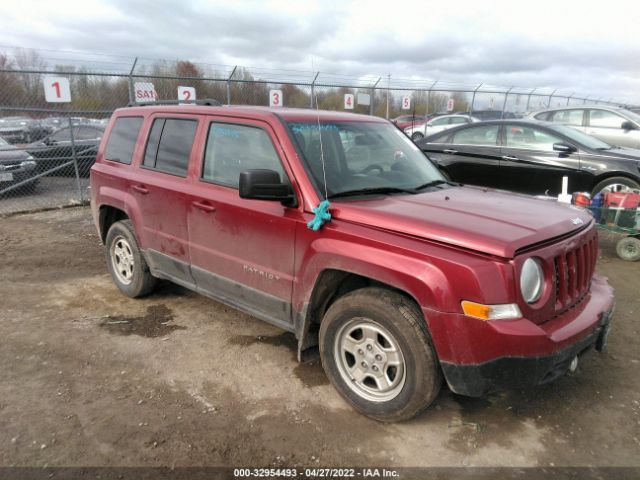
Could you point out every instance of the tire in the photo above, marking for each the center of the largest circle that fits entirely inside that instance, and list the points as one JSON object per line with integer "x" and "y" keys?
{"x": 608, "y": 182}
{"x": 388, "y": 322}
{"x": 416, "y": 136}
{"x": 628, "y": 249}
{"x": 125, "y": 261}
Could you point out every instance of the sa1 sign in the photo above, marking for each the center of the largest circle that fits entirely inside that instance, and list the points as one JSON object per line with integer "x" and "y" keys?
{"x": 186, "y": 94}
{"x": 348, "y": 101}
{"x": 450, "y": 104}
{"x": 145, "y": 92}
{"x": 56, "y": 89}
{"x": 275, "y": 98}
{"x": 406, "y": 102}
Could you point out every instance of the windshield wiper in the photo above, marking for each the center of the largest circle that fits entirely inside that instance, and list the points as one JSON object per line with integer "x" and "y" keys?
{"x": 434, "y": 183}
{"x": 371, "y": 191}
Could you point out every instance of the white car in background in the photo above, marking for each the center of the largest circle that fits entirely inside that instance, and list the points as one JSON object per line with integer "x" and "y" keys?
{"x": 438, "y": 124}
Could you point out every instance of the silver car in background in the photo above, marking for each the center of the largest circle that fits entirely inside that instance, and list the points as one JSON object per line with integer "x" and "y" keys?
{"x": 616, "y": 126}
{"x": 438, "y": 124}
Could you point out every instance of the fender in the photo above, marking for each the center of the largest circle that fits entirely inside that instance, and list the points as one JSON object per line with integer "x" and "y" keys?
{"x": 125, "y": 201}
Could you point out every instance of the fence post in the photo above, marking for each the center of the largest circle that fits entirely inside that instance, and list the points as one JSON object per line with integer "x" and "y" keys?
{"x": 313, "y": 89}
{"x": 569, "y": 98}
{"x": 373, "y": 95}
{"x": 550, "y": 97}
{"x": 75, "y": 160}
{"x": 229, "y": 85}
{"x": 473, "y": 99}
{"x": 132, "y": 98}
{"x": 388, "y": 86}
{"x": 529, "y": 99}
{"x": 504, "y": 104}
{"x": 429, "y": 98}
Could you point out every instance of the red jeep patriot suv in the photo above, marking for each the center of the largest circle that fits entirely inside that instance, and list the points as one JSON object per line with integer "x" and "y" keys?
{"x": 413, "y": 278}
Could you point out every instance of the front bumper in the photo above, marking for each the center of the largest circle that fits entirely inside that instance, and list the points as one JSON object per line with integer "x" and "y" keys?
{"x": 478, "y": 357}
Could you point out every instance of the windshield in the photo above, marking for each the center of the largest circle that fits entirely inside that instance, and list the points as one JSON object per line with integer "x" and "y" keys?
{"x": 582, "y": 138}
{"x": 362, "y": 156}
{"x": 632, "y": 116}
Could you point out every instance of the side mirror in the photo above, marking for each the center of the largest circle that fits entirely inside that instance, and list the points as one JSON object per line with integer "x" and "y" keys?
{"x": 564, "y": 147}
{"x": 627, "y": 125}
{"x": 262, "y": 184}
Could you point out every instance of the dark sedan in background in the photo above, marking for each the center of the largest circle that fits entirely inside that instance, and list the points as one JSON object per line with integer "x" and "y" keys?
{"x": 532, "y": 157}
{"x": 57, "y": 149}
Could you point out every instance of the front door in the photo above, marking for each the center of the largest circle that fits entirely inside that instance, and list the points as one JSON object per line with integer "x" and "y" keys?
{"x": 533, "y": 166}
{"x": 242, "y": 250}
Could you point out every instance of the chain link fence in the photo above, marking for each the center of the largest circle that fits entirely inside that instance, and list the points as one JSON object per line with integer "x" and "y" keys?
{"x": 47, "y": 148}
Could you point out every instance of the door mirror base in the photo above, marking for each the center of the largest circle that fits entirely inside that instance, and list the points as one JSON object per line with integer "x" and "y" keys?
{"x": 564, "y": 148}
{"x": 262, "y": 184}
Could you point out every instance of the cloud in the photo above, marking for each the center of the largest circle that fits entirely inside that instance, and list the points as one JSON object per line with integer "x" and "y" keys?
{"x": 550, "y": 44}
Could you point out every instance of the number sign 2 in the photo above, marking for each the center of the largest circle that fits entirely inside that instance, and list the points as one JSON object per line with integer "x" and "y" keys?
{"x": 275, "y": 98}
{"x": 56, "y": 89}
{"x": 186, "y": 94}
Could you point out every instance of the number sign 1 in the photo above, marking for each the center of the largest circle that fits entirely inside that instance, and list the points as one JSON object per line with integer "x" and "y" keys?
{"x": 406, "y": 102}
{"x": 56, "y": 89}
{"x": 186, "y": 94}
{"x": 275, "y": 98}
{"x": 348, "y": 101}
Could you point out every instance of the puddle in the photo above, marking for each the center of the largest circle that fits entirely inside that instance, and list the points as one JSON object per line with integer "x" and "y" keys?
{"x": 311, "y": 374}
{"x": 155, "y": 323}
{"x": 285, "y": 338}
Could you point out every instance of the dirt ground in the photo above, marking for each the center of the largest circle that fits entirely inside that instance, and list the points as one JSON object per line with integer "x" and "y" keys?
{"x": 92, "y": 378}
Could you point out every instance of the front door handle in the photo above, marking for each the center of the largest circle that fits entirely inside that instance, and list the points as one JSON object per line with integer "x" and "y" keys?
{"x": 205, "y": 207}
{"x": 449, "y": 151}
{"x": 510, "y": 158}
{"x": 140, "y": 189}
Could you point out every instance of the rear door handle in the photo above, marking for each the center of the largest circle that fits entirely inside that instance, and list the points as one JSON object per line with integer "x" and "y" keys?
{"x": 140, "y": 189}
{"x": 205, "y": 207}
{"x": 449, "y": 151}
{"x": 510, "y": 158}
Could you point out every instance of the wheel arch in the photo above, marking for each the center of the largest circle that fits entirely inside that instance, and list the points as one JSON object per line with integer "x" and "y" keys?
{"x": 613, "y": 174}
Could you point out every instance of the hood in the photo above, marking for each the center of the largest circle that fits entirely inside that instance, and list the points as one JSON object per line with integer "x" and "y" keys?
{"x": 488, "y": 221}
{"x": 9, "y": 152}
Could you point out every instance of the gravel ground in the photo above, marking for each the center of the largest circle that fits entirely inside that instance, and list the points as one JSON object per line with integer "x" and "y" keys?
{"x": 92, "y": 378}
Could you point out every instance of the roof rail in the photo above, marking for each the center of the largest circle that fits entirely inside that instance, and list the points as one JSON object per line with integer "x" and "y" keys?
{"x": 210, "y": 102}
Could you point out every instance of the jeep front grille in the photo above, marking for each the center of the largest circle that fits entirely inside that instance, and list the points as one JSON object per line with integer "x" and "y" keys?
{"x": 573, "y": 272}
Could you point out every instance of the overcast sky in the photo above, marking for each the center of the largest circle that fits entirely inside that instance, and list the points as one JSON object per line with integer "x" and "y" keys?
{"x": 582, "y": 46}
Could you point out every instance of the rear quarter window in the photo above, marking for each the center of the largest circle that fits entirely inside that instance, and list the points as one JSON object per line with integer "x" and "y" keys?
{"x": 122, "y": 139}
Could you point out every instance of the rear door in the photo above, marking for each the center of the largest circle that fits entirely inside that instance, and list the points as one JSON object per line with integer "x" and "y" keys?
{"x": 470, "y": 155}
{"x": 530, "y": 165}
{"x": 242, "y": 250}
{"x": 162, "y": 191}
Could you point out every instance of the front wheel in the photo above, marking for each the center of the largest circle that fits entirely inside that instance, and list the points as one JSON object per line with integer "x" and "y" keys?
{"x": 125, "y": 262}
{"x": 615, "y": 184}
{"x": 376, "y": 351}
{"x": 628, "y": 249}
{"x": 417, "y": 136}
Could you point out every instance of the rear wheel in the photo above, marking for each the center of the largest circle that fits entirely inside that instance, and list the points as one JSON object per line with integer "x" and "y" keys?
{"x": 377, "y": 353}
{"x": 125, "y": 262}
{"x": 417, "y": 136}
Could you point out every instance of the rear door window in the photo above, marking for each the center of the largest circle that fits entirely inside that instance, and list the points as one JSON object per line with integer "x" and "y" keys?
{"x": 169, "y": 145}
{"x": 122, "y": 139}
{"x": 568, "y": 117}
{"x": 480, "y": 135}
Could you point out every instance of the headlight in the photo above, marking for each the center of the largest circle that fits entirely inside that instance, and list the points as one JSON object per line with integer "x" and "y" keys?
{"x": 531, "y": 280}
